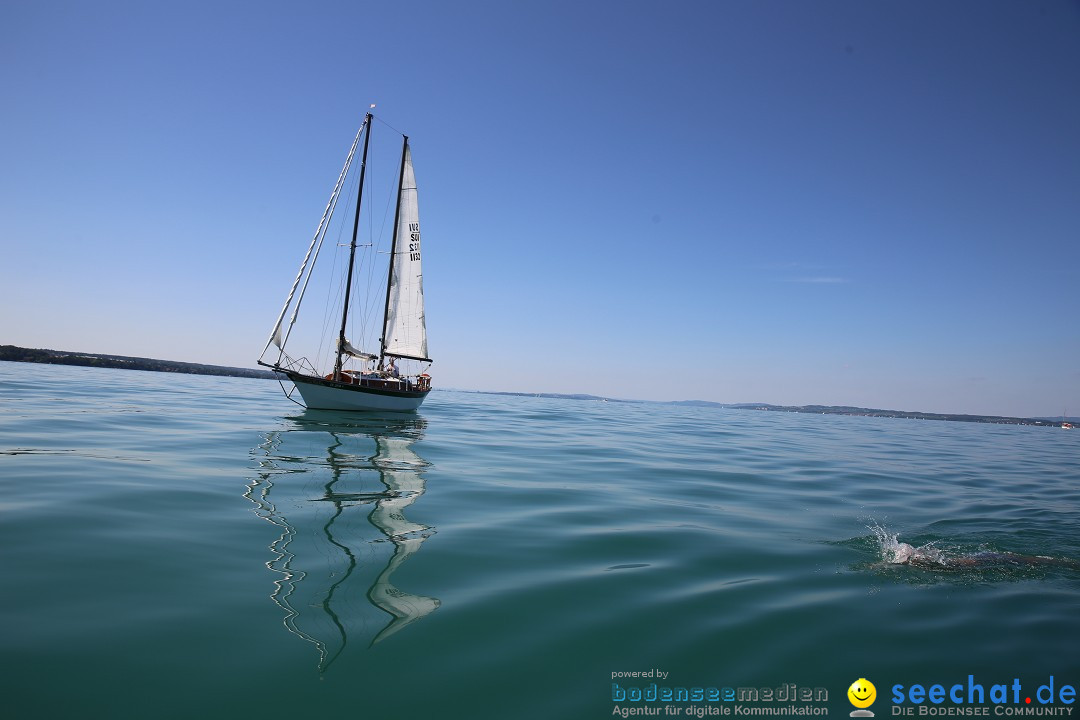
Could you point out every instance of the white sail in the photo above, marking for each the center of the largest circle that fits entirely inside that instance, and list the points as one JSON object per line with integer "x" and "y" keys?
{"x": 405, "y": 333}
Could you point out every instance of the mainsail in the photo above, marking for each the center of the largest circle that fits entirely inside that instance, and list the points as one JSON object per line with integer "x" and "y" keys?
{"x": 405, "y": 332}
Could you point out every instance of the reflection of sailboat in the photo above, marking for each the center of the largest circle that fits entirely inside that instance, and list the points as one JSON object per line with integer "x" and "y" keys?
{"x": 329, "y": 550}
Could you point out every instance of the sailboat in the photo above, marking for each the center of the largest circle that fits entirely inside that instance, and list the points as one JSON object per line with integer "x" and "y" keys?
{"x": 376, "y": 383}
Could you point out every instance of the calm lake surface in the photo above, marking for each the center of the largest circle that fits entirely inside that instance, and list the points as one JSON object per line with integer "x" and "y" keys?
{"x": 184, "y": 546}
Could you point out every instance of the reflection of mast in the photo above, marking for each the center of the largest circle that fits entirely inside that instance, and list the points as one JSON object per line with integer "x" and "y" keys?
{"x": 324, "y": 546}
{"x": 282, "y": 563}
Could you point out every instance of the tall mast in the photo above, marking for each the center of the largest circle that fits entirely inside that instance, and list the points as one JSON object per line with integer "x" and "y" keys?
{"x": 352, "y": 249}
{"x": 393, "y": 250}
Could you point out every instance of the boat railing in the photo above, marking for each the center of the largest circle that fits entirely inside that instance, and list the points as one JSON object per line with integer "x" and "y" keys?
{"x": 416, "y": 383}
{"x": 302, "y": 366}
{"x": 408, "y": 383}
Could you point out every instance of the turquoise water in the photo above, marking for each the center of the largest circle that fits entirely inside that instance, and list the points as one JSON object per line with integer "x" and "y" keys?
{"x": 184, "y": 546}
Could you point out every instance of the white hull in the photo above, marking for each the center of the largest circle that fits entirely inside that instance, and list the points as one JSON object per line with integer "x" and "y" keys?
{"x": 320, "y": 396}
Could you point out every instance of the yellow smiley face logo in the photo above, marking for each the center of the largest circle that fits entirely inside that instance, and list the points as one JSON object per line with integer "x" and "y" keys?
{"x": 862, "y": 693}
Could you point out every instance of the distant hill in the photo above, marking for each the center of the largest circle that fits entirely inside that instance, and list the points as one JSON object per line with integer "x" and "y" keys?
{"x": 821, "y": 410}
{"x": 558, "y": 396}
{"x": 14, "y": 353}
{"x": 871, "y": 412}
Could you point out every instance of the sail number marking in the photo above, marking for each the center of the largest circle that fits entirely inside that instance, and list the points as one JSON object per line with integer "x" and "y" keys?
{"x": 414, "y": 241}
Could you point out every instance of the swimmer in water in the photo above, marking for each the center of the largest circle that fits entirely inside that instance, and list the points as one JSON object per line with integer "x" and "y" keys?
{"x": 905, "y": 554}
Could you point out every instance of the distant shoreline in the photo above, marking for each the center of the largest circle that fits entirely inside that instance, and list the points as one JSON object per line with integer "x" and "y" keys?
{"x": 13, "y": 353}
{"x": 812, "y": 409}
{"x": 871, "y": 412}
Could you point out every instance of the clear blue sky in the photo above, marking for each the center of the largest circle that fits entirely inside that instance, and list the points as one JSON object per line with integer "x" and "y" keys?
{"x": 866, "y": 203}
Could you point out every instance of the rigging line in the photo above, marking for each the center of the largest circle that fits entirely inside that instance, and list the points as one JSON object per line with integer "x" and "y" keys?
{"x": 323, "y": 346}
{"x": 364, "y": 303}
{"x": 367, "y": 304}
{"x": 322, "y": 228}
{"x": 311, "y": 270}
{"x": 332, "y": 207}
{"x": 353, "y": 338}
{"x": 361, "y": 315}
{"x": 289, "y": 395}
{"x": 335, "y": 292}
{"x": 388, "y": 125}
{"x": 373, "y": 298}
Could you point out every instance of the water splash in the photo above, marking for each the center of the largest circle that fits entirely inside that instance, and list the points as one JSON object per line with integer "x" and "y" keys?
{"x": 894, "y": 552}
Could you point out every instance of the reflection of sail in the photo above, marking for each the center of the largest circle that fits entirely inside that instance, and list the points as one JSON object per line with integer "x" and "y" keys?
{"x": 329, "y": 549}
{"x": 406, "y": 485}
